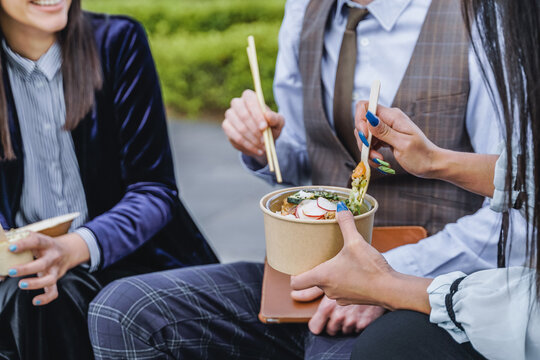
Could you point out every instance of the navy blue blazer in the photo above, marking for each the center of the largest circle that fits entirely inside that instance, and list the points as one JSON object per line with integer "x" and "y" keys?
{"x": 124, "y": 158}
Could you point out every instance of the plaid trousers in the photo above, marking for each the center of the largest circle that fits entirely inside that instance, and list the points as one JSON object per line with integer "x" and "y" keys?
{"x": 203, "y": 312}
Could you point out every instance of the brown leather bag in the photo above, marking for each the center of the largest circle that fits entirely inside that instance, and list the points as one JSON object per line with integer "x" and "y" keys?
{"x": 277, "y": 306}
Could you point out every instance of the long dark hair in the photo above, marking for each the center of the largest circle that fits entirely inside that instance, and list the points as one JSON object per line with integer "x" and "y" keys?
{"x": 509, "y": 34}
{"x": 81, "y": 71}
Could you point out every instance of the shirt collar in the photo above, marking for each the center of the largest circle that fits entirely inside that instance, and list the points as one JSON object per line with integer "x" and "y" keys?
{"x": 48, "y": 64}
{"x": 386, "y": 12}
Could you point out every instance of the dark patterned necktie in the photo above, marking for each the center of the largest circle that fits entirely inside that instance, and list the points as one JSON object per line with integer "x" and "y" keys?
{"x": 343, "y": 89}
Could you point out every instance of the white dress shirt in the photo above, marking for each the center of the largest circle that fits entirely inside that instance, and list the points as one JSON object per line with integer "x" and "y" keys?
{"x": 386, "y": 40}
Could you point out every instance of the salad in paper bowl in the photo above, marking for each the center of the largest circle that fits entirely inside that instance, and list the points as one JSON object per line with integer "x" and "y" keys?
{"x": 301, "y": 229}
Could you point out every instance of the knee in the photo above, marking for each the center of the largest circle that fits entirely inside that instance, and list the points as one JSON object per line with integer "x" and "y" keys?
{"x": 126, "y": 306}
{"x": 114, "y": 302}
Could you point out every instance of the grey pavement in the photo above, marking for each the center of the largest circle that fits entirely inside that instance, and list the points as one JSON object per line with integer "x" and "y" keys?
{"x": 221, "y": 195}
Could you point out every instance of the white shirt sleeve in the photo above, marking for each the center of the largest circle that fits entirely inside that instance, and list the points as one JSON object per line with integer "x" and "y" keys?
{"x": 498, "y": 310}
{"x": 291, "y": 146}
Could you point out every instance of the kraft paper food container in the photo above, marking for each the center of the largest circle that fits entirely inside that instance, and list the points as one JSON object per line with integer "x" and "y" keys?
{"x": 52, "y": 227}
{"x": 8, "y": 259}
{"x": 294, "y": 246}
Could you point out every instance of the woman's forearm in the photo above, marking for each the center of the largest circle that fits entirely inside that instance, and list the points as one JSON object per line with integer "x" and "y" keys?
{"x": 405, "y": 292}
{"x": 470, "y": 171}
{"x": 76, "y": 249}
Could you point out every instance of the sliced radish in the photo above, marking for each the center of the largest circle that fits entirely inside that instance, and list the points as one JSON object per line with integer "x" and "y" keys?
{"x": 313, "y": 210}
{"x": 302, "y": 215}
{"x": 326, "y": 204}
{"x": 300, "y": 210}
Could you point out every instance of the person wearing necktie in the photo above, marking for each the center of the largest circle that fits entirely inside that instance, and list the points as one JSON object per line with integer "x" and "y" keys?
{"x": 329, "y": 54}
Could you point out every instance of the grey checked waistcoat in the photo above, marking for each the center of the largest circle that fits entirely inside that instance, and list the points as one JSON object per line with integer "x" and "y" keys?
{"x": 433, "y": 93}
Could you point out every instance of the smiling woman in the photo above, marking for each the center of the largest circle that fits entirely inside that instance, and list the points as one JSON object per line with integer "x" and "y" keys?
{"x": 82, "y": 129}
{"x": 33, "y": 27}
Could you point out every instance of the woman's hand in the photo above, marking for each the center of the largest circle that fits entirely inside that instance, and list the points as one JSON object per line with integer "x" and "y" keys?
{"x": 359, "y": 274}
{"x": 419, "y": 156}
{"x": 411, "y": 148}
{"x": 54, "y": 257}
{"x": 355, "y": 275}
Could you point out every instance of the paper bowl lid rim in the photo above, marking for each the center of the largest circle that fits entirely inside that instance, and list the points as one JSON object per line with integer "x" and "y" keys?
{"x": 51, "y": 222}
{"x": 267, "y": 211}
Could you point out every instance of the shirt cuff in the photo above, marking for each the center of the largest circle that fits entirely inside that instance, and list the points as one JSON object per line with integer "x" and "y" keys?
{"x": 254, "y": 167}
{"x": 437, "y": 291}
{"x": 93, "y": 247}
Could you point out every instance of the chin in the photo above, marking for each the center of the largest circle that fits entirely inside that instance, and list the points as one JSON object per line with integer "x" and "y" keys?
{"x": 51, "y": 25}
{"x": 48, "y": 16}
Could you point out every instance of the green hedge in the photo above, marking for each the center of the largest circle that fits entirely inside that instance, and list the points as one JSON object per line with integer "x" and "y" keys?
{"x": 200, "y": 47}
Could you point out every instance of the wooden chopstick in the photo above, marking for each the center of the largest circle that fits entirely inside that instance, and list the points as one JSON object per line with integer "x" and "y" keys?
{"x": 258, "y": 91}
{"x": 269, "y": 144}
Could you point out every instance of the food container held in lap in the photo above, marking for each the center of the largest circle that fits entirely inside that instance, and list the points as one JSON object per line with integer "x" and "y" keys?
{"x": 294, "y": 246}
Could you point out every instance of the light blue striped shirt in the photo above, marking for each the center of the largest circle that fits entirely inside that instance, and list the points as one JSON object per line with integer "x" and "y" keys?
{"x": 52, "y": 182}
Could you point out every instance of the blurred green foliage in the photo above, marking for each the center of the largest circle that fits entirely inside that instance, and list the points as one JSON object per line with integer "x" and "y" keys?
{"x": 200, "y": 47}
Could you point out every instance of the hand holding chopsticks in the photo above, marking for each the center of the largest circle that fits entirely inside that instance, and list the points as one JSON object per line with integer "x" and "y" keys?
{"x": 267, "y": 134}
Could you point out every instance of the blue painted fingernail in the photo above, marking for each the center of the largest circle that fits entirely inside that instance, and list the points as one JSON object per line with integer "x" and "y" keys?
{"x": 373, "y": 120}
{"x": 382, "y": 172}
{"x": 12, "y": 272}
{"x": 23, "y": 285}
{"x": 376, "y": 161}
{"x": 363, "y": 138}
{"x": 387, "y": 170}
{"x": 341, "y": 206}
{"x": 12, "y": 248}
{"x": 38, "y": 302}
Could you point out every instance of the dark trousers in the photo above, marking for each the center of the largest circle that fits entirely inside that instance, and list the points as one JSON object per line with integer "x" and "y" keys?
{"x": 210, "y": 312}
{"x": 59, "y": 330}
{"x": 202, "y": 312}
{"x": 409, "y": 335}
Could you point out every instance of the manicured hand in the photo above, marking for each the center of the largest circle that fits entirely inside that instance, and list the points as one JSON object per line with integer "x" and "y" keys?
{"x": 54, "y": 257}
{"x": 359, "y": 274}
{"x": 356, "y": 275}
{"x": 245, "y": 122}
{"x": 391, "y": 127}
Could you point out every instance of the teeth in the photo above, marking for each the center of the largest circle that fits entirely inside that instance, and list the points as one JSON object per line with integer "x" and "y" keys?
{"x": 46, "y": 2}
